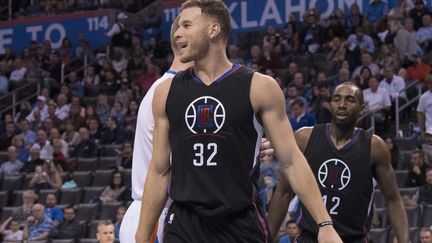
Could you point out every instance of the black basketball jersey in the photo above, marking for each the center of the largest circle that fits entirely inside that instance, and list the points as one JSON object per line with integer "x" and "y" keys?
{"x": 215, "y": 140}
{"x": 345, "y": 178}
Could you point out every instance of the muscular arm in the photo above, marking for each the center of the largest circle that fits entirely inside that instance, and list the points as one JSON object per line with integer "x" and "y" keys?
{"x": 421, "y": 122}
{"x": 268, "y": 101}
{"x": 284, "y": 193}
{"x": 385, "y": 177}
{"x": 155, "y": 196}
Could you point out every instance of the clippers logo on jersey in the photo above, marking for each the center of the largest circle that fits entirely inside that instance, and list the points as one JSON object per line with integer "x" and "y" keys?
{"x": 205, "y": 115}
{"x": 334, "y": 174}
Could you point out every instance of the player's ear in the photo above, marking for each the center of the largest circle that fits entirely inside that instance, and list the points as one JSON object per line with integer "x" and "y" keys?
{"x": 214, "y": 30}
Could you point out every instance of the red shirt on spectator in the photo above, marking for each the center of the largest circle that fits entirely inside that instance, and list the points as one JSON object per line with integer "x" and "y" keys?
{"x": 418, "y": 71}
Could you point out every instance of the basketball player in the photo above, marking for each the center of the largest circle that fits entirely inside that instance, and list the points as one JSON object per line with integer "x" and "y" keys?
{"x": 345, "y": 160}
{"x": 142, "y": 153}
{"x": 208, "y": 118}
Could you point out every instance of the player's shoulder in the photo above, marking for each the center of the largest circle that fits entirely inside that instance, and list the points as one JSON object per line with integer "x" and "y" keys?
{"x": 378, "y": 146}
{"x": 302, "y": 137}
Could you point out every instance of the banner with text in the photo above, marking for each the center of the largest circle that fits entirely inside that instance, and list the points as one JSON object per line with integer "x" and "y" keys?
{"x": 93, "y": 24}
{"x": 257, "y": 14}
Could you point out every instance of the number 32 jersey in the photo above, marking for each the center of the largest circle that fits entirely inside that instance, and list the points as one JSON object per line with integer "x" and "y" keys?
{"x": 215, "y": 140}
{"x": 345, "y": 179}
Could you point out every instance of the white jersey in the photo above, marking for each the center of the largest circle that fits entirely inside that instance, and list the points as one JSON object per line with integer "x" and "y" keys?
{"x": 143, "y": 144}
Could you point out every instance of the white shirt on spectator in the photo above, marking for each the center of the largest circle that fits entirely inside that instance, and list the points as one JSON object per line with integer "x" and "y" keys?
{"x": 62, "y": 112}
{"x": 376, "y": 100}
{"x": 425, "y": 106}
{"x": 18, "y": 74}
{"x": 43, "y": 114}
{"x": 423, "y": 34}
{"x": 46, "y": 151}
{"x": 396, "y": 85}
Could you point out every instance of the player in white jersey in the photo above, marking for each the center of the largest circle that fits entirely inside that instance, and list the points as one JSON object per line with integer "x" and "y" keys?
{"x": 142, "y": 152}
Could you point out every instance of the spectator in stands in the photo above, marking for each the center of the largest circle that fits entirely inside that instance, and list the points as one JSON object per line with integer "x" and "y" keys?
{"x": 418, "y": 12}
{"x": 394, "y": 152}
{"x": 322, "y": 108}
{"x": 13, "y": 233}
{"x": 343, "y": 76}
{"x": 4, "y": 81}
{"x": 69, "y": 181}
{"x": 118, "y": 111}
{"x": 29, "y": 197}
{"x": 130, "y": 119}
{"x": 103, "y": 109}
{"x": 94, "y": 130}
{"x": 424, "y": 34}
{"x": 22, "y": 152}
{"x": 299, "y": 118}
{"x": 417, "y": 171}
{"x": 18, "y": 74}
{"x": 86, "y": 148}
{"x": 119, "y": 218}
{"x": 24, "y": 110}
{"x": 90, "y": 113}
{"x": 46, "y": 151}
{"x": 54, "y": 133}
{"x": 113, "y": 134}
{"x": 62, "y": 109}
{"x": 40, "y": 107}
{"x": 6, "y": 138}
{"x": 53, "y": 81}
{"x": 76, "y": 84}
{"x": 406, "y": 46}
{"x": 34, "y": 160}
{"x": 418, "y": 71}
{"x": 394, "y": 84}
{"x": 109, "y": 85}
{"x": 105, "y": 232}
{"x": 424, "y": 194}
{"x": 91, "y": 82}
{"x": 234, "y": 55}
{"x": 52, "y": 120}
{"x": 255, "y": 57}
{"x": 124, "y": 85}
{"x": 360, "y": 42}
{"x": 121, "y": 38}
{"x": 114, "y": 190}
{"x": 75, "y": 116}
{"x": 52, "y": 211}
{"x": 124, "y": 159}
{"x": 46, "y": 176}
{"x": 293, "y": 94}
{"x": 426, "y": 235}
{"x": 386, "y": 56}
{"x": 291, "y": 231}
{"x": 12, "y": 166}
{"x": 59, "y": 159}
{"x": 70, "y": 228}
{"x": 427, "y": 147}
{"x": 150, "y": 73}
{"x": 38, "y": 225}
{"x": 367, "y": 61}
{"x": 376, "y": 10}
{"x": 424, "y": 109}
{"x": 377, "y": 100}
{"x": 70, "y": 135}
{"x": 119, "y": 62}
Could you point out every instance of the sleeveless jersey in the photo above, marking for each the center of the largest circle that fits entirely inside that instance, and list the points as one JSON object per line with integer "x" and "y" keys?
{"x": 143, "y": 144}
{"x": 345, "y": 179}
{"x": 215, "y": 140}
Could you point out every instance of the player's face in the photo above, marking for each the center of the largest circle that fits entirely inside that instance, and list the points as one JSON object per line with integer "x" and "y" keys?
{"x": 345, "y": 105}
{"x": 192, "y": 35}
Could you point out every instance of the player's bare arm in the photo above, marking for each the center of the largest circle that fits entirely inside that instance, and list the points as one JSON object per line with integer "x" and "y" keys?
{"x": 155, "y": 196}
{"x": 268, "y": 102}
{"x": 284, "y": 193}
{"x": 385, "y": 177}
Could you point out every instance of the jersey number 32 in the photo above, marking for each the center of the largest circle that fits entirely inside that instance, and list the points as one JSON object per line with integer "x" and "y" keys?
{"x": 200, "y": 149}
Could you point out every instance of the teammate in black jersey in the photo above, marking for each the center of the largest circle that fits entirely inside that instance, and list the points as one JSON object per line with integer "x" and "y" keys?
{"x": 345, "y": 160}
{"x": 214, "y": 141}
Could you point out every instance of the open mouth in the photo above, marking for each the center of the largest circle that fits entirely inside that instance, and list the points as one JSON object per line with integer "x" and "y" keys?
{"x": 182, "y": 45}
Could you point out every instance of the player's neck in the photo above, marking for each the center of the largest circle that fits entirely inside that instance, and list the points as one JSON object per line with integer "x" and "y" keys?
{"x": 212, "y": 66}
{"x": 178, "y": 66}
{"x": 341, "y": 135}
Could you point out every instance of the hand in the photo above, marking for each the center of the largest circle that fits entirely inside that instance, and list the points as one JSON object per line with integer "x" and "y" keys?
{"x": 416, "y": 170}
{"x": 266, "y": 151}
{"x": 327, "y": 234}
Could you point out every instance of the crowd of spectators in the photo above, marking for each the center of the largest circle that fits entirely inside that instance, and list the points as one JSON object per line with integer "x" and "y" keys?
{"x": 382, "y": 50}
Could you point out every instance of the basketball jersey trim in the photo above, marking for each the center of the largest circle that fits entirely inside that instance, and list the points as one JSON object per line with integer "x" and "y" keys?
{"x": 353, "y": 139}
{"x": 171, "y": 72}
{"x": 234, "y": 68}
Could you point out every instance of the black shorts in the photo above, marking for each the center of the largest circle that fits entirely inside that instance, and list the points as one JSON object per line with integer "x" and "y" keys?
{"x": 307, "y": 237}
{"x": 184, "y": 225}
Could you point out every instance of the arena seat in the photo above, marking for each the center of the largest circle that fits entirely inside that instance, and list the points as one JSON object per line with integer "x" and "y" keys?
{"x": 109, "y": 210}
{"x": 87, "y": 164}
{"x": 413, "y": 216}
{"x": 91, "y": 193}
{"x": 82, "y": 178}
{"x": 379, "y": 235}
{"x": 70, "y": 196}
{"x": 4, "y": 198}
{"x": 427, "y": 215}
{"x": 87, "y": 211}
{"x": 102, "y": 177}
{"x": 11, "y": 183}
